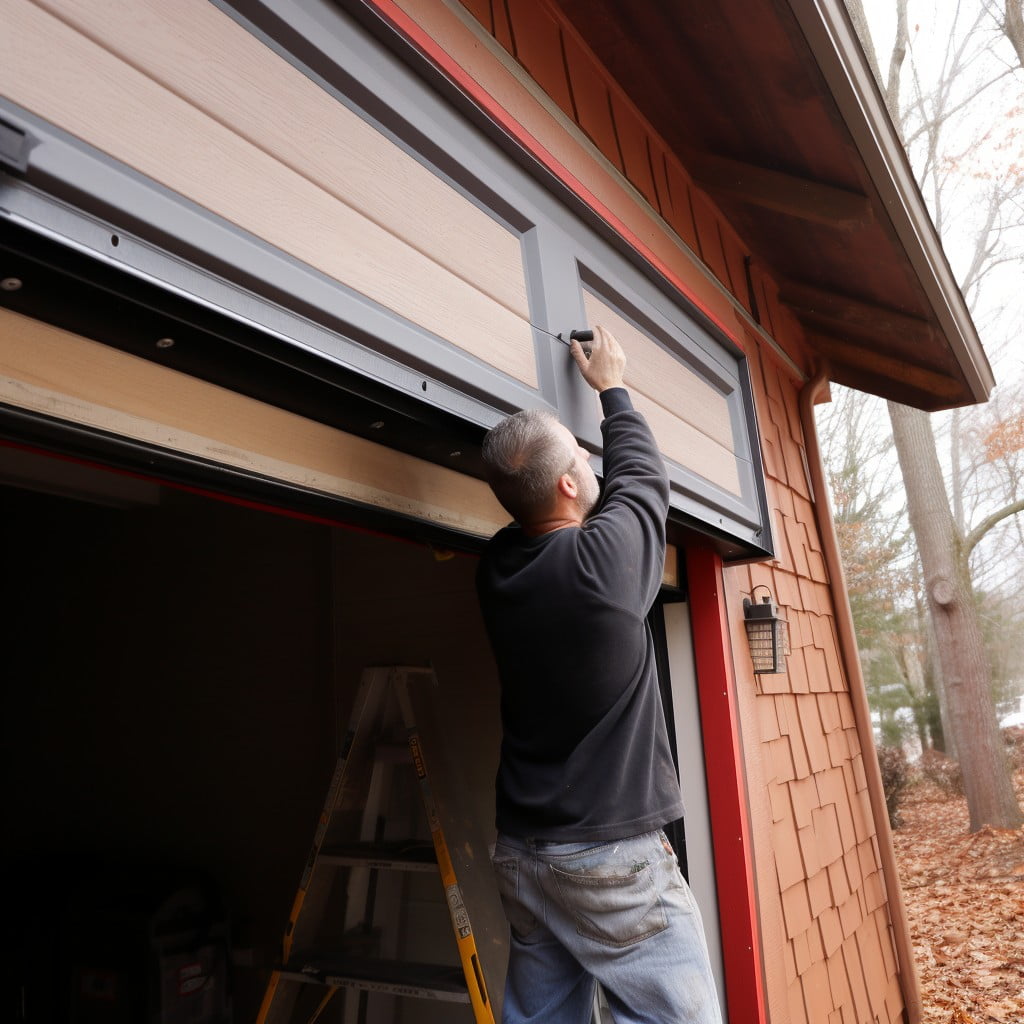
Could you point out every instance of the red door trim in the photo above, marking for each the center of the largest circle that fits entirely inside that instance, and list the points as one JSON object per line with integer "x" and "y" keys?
{"x": 727, "y": 799}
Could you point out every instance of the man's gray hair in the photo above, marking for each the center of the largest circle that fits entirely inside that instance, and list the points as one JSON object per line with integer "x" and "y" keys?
{"x": 523, "y": 460}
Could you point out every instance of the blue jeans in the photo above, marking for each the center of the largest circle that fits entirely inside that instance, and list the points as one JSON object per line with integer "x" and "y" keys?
{"x": 619, "y": 913}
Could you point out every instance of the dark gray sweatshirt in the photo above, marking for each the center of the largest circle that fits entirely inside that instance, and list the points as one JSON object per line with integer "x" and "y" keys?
{"x": 585, "y": 753}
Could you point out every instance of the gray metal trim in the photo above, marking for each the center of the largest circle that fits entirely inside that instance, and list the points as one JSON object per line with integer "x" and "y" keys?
{"x": 191, "y": 237}
{"x": 14, "y": 147}
{"x": 723, "y": 368}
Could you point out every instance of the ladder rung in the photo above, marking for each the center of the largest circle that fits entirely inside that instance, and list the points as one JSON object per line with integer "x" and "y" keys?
{"x": 395, "y": 977}
{"x": 394, "y": 855}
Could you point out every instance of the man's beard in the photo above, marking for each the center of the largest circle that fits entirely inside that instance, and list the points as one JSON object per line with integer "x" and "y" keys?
{"x": 588, "y": 493}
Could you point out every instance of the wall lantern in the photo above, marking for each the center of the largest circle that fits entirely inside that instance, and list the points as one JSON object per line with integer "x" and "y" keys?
{"x": 767, "y": 634}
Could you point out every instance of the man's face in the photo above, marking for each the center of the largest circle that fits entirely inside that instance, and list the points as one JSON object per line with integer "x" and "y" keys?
{"x": 588, "y": 489}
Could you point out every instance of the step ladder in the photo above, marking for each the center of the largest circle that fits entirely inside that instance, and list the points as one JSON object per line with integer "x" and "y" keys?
{"x": 333, "y": 939}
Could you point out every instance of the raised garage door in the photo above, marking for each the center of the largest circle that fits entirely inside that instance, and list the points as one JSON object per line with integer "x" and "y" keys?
{"x": 283, "y": 208}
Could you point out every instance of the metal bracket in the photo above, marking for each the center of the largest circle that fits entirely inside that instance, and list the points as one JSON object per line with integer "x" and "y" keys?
{"x": 14, "y": 147}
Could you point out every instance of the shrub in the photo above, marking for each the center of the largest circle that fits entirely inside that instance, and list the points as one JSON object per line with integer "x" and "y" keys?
{"x": 943, "y": 771}
{"x": 1013, "y": 737}
{"x": 895, "y": 776}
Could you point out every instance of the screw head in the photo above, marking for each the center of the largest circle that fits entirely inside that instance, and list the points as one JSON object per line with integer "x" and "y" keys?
{"x": 10, "y": 284}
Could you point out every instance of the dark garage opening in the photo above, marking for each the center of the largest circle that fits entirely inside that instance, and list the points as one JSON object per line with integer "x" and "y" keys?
{"x": 177, "y": 672}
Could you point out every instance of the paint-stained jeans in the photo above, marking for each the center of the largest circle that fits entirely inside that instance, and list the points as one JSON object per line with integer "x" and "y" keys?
{"x": 618, "y": 912}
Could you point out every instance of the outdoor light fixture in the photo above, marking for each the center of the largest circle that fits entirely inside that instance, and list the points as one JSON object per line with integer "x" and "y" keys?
{"x": 767, "y": 634}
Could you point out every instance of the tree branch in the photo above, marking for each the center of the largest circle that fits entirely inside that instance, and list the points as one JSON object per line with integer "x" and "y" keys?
{"x": 979, "y": 531}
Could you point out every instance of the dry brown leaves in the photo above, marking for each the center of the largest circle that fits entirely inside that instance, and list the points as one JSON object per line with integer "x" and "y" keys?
{"x": 965, "y": 902}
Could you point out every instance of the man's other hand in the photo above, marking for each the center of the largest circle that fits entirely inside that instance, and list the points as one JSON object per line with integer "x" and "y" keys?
{"x": 604, "y": 368}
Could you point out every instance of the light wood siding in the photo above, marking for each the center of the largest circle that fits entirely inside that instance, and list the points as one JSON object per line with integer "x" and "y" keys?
{"x": 688, "y": 416}
{"x": 256, "y": 142}
{"x": 59, "y": 374}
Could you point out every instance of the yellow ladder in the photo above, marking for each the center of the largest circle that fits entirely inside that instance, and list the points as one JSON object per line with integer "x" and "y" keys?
{"x": 349, "y": 835}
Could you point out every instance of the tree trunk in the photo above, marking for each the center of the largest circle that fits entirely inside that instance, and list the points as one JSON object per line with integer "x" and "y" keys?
{"x": 958, "y": 635}
{"x": 935, "y": 670}
{"x": 1013, "y": 27}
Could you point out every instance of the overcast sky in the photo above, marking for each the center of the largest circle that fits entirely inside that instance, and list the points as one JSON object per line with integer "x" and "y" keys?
{"x": 986, "y": 143}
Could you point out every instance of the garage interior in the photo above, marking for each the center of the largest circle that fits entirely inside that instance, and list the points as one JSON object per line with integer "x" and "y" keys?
{"x": 178, "y": 672}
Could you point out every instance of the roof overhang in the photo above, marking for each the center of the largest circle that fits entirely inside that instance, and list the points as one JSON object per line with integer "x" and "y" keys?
{"x": 773, "y": 106}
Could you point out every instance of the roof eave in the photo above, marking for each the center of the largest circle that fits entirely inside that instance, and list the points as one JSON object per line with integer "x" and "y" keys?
{"x": 833, "y": 42}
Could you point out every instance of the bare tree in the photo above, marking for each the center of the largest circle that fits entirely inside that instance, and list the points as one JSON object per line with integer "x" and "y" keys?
{"x": 959, "y": 636}
{"x": 944, "y": 542}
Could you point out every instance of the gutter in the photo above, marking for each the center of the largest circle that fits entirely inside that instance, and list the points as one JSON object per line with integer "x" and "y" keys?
{"x": 859, "y": 699}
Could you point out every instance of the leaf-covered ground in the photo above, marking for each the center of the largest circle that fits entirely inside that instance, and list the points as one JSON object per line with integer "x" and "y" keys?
{"x": 965, "y": 901}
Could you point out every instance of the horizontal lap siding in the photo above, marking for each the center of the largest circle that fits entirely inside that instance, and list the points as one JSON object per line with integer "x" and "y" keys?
{"x": 50, "y": 371}
{"x": 689, "y": 418}
{"x": 254, "y": 141}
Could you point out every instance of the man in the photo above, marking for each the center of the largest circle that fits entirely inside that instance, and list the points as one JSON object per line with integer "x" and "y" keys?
{"x": 590, "y": 885}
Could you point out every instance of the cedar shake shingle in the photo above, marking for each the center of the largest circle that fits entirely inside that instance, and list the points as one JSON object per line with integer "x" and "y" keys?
{"x": 838, "y": 748}
{"x": 797, "y": 671}
{"x": 816, "y": 561}
{"x": 809, "y": 854}
{"x": 781, "y": 760}
{"x": 850, "y": 916}
{"x": 871, "y": 959}
{"x": 817, "y": 670}
{"x": 828, "y": 708}
{"x": 787, "y": 594}
{"x": 826, "y": 827}
{"x": 817, "y": 992}
{"x": 681, "y": 205}
{"x": 632, "y": 140}
{"x": 709, "y": 237}
{"x": 801, "y": 953}
{"x": 768, "y": 720}
{"x": 788, "y": 863}
{"x": 819, "y": 893}
{"x": 590, "y": 94}
{"x": 797, "y": 1008}
{"x": 804, "y": 794}
{"x": 815, "y": 741}
{"x": 831, "y": 935}
{"x": 796, "y": 911}
{"x": 778, "y": 796}
{"x": 537, "y": 41}
{"x": 853, "y": 871}
{"x": 885, "y": 941}
{"x": 838, "y": 882}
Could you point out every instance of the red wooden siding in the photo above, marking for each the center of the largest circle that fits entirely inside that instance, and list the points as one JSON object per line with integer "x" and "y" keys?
{"x": 823, "y": 897}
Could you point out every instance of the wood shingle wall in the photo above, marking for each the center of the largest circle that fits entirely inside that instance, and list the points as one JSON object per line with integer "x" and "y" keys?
{"x": 827, "y": 933}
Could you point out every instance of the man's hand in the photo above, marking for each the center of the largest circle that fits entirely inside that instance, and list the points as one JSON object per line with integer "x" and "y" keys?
{"x": 604, "y": 368}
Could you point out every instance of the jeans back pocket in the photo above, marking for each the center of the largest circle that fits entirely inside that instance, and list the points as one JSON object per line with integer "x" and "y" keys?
{"x": 616, "y": 910}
